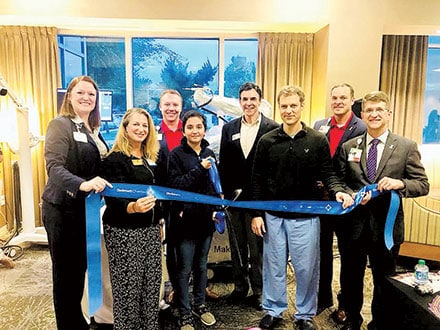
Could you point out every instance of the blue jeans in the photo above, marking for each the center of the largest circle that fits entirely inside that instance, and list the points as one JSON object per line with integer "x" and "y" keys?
{"x": 192, "y": 256}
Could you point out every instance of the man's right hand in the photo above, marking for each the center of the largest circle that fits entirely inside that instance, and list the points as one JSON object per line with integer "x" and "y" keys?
{"x": 257, "y": 226}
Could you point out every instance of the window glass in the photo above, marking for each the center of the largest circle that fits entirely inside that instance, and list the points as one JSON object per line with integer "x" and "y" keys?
{"x": 73, "y": 67}
{"x": 106, "y": 65}
{"x": 72, "y": 57}
{"x": 431, "y": 129}
{"x": 240, "y": 64}
{"x": 163, "y": 63}
{"x": 74, "y": 44}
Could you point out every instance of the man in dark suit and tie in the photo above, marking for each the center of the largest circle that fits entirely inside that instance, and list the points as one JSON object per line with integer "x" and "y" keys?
{"x": 395, "y": 164}
{"x": 342, "y": 126}
{"x": 237, "y": 150}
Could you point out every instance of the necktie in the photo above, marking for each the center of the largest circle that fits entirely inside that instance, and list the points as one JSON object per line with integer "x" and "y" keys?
{"x": 372, "y": 160}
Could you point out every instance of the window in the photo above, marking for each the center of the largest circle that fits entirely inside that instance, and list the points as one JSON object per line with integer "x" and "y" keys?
{"x": 431, "y": 129}
{"x": 157, "y": 64}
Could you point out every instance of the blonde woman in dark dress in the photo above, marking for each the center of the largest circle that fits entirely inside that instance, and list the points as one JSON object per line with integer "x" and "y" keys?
{"x": 131, "y": 230}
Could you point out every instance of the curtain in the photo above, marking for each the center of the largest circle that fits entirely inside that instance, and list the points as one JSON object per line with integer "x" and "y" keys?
{"x": 30, "y": 66}
{"x": 285, "y": 59}
{"x": 403, "y": 77}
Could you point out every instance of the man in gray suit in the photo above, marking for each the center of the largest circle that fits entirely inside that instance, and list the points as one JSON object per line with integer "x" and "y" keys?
{"x": 237, "y": 151}
{"x": 396, "y": 165}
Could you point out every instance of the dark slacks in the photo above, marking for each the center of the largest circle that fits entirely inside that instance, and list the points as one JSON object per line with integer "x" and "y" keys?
{"x": 330, "y": 225}
{"x": 353, "y": 265}
{"x": 250, "y": 250}
{"x": 66, "y": 234}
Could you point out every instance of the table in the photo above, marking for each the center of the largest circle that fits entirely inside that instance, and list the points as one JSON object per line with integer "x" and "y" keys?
{"x": 408, "y": 309}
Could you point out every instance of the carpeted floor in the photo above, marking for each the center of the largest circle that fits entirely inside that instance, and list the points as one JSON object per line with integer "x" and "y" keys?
{"x": 26, "y": 300}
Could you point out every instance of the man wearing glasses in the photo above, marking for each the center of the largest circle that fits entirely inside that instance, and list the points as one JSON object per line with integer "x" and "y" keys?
{"x": 393, "y": 163}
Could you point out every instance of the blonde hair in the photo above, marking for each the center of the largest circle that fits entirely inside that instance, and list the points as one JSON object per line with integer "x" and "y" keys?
{"x": 66, "y": 109}
{"x": 291, "y": 90}
{"x": 150, "y": 146}
{"x": 376, "y": 96}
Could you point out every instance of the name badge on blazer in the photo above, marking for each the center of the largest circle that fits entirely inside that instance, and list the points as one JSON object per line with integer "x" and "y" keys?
{"x": 80, "y": 137}
{"x": 355, "y": 155}
{"x": 159, "y": 136}
{"x": 324, "y": 129}
{"x": 137, "y": 162}
{"x": 236, "y": 136}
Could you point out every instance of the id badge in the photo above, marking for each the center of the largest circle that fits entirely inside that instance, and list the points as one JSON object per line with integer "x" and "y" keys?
{"x": 80, "y": 137}
{"x": 236, "y": 136}
{"x": 324, "y": 129}
{"x": 137, "y": 162}
{"x": 355, "y": 155}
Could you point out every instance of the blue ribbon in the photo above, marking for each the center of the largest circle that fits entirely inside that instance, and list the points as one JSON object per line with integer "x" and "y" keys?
{"x": 215, "y": 177}
{"x": 135, "y": 191}
{"x": 93, "y": 228}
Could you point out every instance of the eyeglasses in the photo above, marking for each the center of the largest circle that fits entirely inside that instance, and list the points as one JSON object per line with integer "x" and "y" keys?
{"x": 379, "y": 111}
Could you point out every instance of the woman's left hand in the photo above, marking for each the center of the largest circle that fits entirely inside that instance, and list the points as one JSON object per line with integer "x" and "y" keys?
{"x": 145, "y": 204}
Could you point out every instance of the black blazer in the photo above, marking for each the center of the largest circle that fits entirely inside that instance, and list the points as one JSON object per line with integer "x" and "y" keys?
{"x": 400, "y": 160}
{"x": 120, "y": 168}
{"x": 69, "y": 162}
{"x": 236, "y": 170}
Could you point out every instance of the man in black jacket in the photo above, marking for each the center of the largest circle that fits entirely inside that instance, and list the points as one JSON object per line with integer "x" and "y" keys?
{"x": 237, "y": 150}
{"x": 289, "y": 161}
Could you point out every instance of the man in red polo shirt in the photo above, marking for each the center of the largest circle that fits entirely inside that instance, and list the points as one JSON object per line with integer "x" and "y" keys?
{"x": 170, "y": 134}
{"x": 340, "y": 127}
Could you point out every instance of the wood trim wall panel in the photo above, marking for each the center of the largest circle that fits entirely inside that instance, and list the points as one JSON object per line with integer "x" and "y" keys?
{"x": 422, "y": 251}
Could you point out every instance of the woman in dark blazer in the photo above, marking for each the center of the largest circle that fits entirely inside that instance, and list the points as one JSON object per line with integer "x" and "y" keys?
{"x": 73, "y": 151}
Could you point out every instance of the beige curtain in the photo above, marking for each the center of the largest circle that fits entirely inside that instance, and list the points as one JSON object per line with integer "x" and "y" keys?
{"x": 285, "y": 59}
{"x": 403, "y": 77}
{"x": 30, "y": 65}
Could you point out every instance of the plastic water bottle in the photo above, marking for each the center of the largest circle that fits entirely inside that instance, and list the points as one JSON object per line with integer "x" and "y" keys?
{"x": 421, "y": 272}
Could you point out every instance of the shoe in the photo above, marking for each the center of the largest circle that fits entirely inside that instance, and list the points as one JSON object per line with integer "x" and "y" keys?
{"x": 186, "y": 322}
{"x": 269, "y": 322}
{"x": 99, "y": 326}
{"x": 211, "y": 294}
{"x": 322, "y": 308}
{"x": 236, "y": 297}
{"x": 305, "y": 325}
{"x": 255, "y": 302}
{"x": 339, "y": 316}
{"x": 204, "y": 315}
{"x": 371, "y": 325}
{"x": 349, "y": 325}
{"x": 170, "y": 298}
